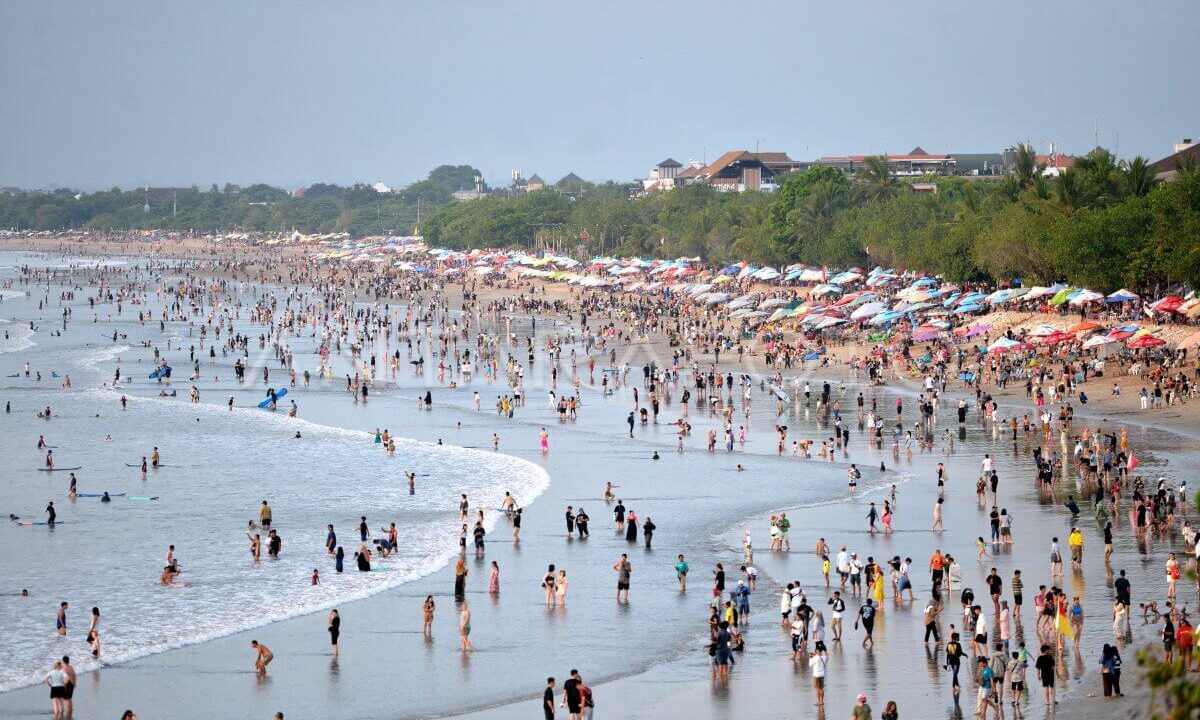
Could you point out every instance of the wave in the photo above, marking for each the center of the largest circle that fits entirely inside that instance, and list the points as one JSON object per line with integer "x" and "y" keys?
{"x": 227, "y": 594}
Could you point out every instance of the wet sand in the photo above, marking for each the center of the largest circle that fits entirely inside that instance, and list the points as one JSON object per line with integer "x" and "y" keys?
{"x": 643, "y": 663}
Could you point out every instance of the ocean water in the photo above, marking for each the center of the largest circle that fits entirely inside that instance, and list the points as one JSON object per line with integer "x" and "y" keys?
{"x": 218, "y": 466}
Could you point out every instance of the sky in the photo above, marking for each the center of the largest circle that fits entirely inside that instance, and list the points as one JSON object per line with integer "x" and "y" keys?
{"x": 130, "y": 93}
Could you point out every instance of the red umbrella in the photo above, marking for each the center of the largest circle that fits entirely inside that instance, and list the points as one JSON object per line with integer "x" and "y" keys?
{"x": 1056, "y": 338}
{"x": 1145, "y": 341}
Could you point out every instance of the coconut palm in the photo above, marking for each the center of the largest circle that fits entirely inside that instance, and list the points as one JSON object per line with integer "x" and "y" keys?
{"x": 877, "y": 182}
{"x": 1067, "y": 190}
{"x": 1138, "y": 177}
{"x": 1025, "y": 165}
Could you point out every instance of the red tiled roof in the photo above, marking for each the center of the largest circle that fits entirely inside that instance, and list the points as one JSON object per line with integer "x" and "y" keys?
{"x": 1057, "y": 160}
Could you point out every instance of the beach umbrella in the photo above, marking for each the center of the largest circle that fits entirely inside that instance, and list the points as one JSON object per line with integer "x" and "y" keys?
{"x": 1168, "y": 304}
{"x": 1084, "y": 327}
{"x": 1057, "y": 338}
{"x": 925, "y": 335}
{"x": 1085, "y": 296}
{"x": 845, "y": 277}
{"x": 773, "y": 302}
{"x": 1003, "y": 345}
{"x": 886, "y": 317}
{"x": 812, "y": 275}
{"x": 1145, "y": 341}
{"x": 767, "y": 273}
{"x": 969, "y": 308}
{"x": 1120, "y": 296}
{"x": 977, "y": 329}
{"x": 1097, "y": 340}
{"x": 868, "y": 310}
{"x": 1043, "y": 330}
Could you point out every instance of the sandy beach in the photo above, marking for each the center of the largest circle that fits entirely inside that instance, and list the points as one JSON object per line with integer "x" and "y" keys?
{"x": 648, "y": 657}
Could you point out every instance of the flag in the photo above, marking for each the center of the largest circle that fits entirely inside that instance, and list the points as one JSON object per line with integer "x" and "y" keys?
{"x": 1132, "y": 462}
{"x": 1063, "y": 624}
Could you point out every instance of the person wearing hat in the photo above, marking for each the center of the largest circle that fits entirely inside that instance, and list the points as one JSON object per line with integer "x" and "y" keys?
{"x": 861, "y": 710}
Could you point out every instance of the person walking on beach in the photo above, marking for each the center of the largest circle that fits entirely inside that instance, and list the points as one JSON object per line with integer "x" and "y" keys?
{"x": 623, "y": 568}
{"x": 681, "y": 572}
{"x": 1045, "y": 667}
{"x": 816, "y": 665}
{"x": 861, "y": 710}
{"x": 262, "y": 657}
{"x": 57, "y": 680}
{"x": 548, "y": 707}
{"x": 464, "y": 628}
{"x": 334, "y": 625}
{"x": 460, "y": 578}
{"x": 427, "y": 609}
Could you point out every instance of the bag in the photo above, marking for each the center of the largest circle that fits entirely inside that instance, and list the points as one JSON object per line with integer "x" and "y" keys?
{"x": 712, "y": 649}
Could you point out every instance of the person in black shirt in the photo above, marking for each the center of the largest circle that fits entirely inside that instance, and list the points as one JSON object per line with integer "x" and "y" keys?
{"x": 954, "y": 656}
{"x": 1045, "y": 668}
{"x": 648, "y": 528}
{"x": 548, "y": 699}
{"x": 571, "y": 696}
{"x": 995, "y": 586}
{"x": 866, "y": 615}
{"x": 581, "y": 523}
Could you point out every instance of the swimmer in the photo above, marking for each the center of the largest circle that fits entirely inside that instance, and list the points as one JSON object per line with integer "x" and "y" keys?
{"x": 296, "y": 436}
{"x": 654, "y": 456}
{"x": 105, "y": 498}
{"x": 741, "y": 468}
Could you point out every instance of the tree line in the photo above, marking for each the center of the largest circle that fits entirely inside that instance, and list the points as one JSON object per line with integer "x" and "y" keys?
{"x": 1103, "y": 223}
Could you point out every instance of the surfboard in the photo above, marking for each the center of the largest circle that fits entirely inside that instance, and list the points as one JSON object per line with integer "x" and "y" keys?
{"x": 266, "y": 403}
{"x": 162, "y": 372}
{"x": 779, "y": 393}
{"x": 141, "y": 498}
{"x": 96, "y": 495}
{"x": 79, "y": 467}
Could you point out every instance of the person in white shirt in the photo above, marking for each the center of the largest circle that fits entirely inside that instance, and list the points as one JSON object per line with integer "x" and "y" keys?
{"x": 816, "y": 664}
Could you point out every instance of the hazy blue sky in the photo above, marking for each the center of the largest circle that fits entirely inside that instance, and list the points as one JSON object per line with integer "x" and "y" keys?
{"x": 111, "y": 92}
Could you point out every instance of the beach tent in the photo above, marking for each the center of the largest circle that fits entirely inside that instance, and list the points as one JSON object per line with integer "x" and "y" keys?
{"x": 1120, "y": 296}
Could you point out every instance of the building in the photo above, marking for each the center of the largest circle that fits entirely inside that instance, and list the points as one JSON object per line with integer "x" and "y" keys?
{"x": 739, "y": 170}
{"x": 981, "y": 164}
{"x": 381, "y": 188}
{"x": 914, "y": 164}
{"x": 662, "y": 177}
{"x": 534, "y": 183}
{"x": 1055, "y": 163}
{"x": 1186, "y": 153}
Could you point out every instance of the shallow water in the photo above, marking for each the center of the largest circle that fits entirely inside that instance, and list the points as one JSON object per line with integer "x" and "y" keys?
{"x": 698, "y": 500}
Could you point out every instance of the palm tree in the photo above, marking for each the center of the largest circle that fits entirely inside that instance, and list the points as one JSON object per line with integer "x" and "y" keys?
{"x": 1138, "y": 177}
{"x": 876, "y": 178}
{"x": 1025, "y": 165}
{"x": 1099, "y": 177}
{"x": 1185, "y": 166}
{"x": 1067, "y": 189}
{"x": 814, "y": 218}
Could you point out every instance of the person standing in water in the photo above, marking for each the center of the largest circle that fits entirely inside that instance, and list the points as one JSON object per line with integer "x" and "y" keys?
{"x": 335, "y": 630}
{"x": 60, "y": 621}
{"x": 464, "y": 627}
{"x": 262, "y": 657}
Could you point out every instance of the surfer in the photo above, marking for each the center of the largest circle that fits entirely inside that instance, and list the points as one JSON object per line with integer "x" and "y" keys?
{"x": 145, "y": 467}
{"x": 51, "y": 514}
